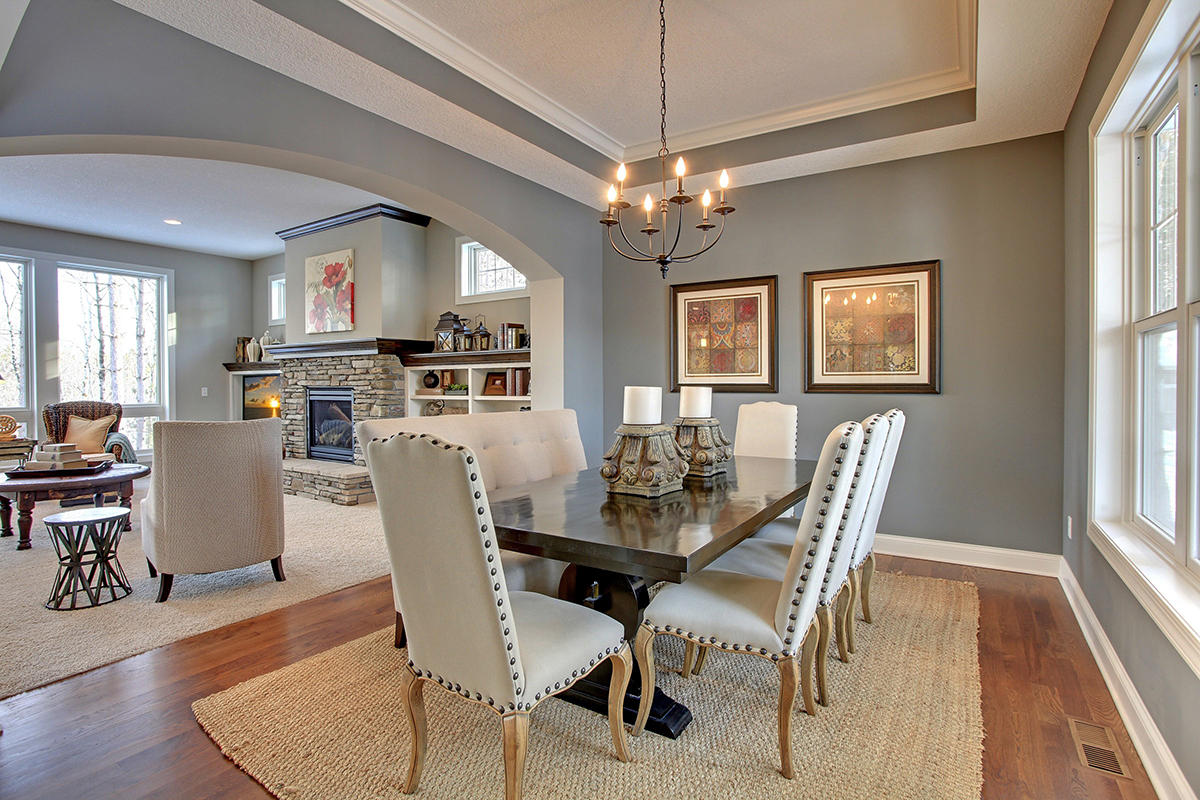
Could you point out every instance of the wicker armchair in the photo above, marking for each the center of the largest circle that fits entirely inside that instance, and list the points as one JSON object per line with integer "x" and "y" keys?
{"x": 55, "y": 416}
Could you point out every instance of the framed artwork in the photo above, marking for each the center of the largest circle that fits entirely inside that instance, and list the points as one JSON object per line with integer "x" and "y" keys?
{"x": 496, "y": 383}
{"x": 873, "y": 329}
{"x": 723, "y": 335}
{"x": 329, "y": 292}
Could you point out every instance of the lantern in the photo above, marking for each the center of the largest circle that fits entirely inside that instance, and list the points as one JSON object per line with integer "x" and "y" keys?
{"x": 482, "y": 336}
{"x": 444, "y": 332}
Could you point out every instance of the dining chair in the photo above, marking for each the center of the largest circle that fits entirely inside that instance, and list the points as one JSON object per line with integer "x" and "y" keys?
{"x": 863, "y": 564}
{"x": 746, "y": 614}
{"x": 767, "y": 429}
{"x": 769, "y": 559}
{"x": 468, "y": 634}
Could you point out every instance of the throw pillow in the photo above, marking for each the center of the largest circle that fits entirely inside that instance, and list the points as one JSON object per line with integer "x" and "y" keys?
{"x": 89, "y": 434}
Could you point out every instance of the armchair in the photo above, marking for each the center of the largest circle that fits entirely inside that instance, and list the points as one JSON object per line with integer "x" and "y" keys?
{"x": 56, "y": 415}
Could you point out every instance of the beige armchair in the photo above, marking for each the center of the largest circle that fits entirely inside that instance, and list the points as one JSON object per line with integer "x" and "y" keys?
{"x": 467, "y": 633}
{"x": 215, "y": 499}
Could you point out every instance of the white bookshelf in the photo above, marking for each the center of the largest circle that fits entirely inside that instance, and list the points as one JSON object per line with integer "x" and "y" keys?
{"x": 474, "y": 375}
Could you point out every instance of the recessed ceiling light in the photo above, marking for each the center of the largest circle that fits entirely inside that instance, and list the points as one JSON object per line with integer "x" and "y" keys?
{"x": 172, "y": 222}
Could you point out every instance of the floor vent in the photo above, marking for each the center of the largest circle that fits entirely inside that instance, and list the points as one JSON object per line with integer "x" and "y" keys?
{"x": 1097, "y": 748}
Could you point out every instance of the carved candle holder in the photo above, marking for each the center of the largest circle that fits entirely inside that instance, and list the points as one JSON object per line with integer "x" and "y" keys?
{"x": 704, "y": 446}
{"x": 645, "y": 461}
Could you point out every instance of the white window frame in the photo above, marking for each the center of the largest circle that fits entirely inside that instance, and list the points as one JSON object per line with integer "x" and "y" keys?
{"x": 1161, "y": 61}
{"x": 26, "y": 414}
{"x": 278, "y": 277}
{"x": 463, "y": 277}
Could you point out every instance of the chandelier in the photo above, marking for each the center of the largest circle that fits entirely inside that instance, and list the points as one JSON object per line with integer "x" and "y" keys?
{"x": 659, "y": 253}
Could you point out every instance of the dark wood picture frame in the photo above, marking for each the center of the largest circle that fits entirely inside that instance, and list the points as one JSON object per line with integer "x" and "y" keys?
{"x": 495, "y": 384}
{"x": 931, "y": 350}
{"x": 770, "y": 314}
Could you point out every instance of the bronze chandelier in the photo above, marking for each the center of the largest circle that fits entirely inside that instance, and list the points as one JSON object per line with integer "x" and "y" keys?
{"x": 616, "y": 199}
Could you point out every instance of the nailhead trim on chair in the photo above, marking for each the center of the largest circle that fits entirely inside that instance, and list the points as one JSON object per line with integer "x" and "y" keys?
{"x": 826, "y": 597}
{"x": 711, "y": 641}
{"x": 891, "y": 417}
{"x": 509, "y": 642}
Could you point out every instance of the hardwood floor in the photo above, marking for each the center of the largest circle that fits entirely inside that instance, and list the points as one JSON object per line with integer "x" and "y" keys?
{"x": 126, "y": 730}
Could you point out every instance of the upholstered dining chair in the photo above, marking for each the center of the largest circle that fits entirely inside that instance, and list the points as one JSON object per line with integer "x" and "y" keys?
{"x": 216, "y": 499}
{"x": 863, "y": 563}
{"x": 774, "y": 619}
{"x": 466, "y": 632}
{"x": 769, "y": 559}
{"x": 766, "y": 429}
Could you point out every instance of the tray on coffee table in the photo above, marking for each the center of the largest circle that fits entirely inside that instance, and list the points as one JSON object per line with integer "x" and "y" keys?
{"x": 94, "y": 469}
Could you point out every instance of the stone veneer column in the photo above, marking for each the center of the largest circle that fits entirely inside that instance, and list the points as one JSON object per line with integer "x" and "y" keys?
{"x": 377, "y": 381}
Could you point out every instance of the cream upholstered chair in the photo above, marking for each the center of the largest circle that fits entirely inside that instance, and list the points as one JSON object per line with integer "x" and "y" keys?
{"x": 769, "y": 559}
{"x": 767, "y": 429}
{"x": 466, "y": 632}
{"x": 215, "y": 499}
{"x": 863, "y": 563}
{"x": 775, "y": 619}
{"x": 513, "y": 447}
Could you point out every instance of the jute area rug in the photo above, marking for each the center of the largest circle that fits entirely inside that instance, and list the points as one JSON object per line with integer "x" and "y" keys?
{"x": 326, "y": 547}
{"x": 905, "y": 723}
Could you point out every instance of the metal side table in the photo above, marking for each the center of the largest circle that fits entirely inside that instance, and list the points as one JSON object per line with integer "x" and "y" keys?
{"x": 86, "y": 540}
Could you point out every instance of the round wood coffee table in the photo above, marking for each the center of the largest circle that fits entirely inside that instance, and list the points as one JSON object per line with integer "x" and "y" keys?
{"x": 29, "y": 491}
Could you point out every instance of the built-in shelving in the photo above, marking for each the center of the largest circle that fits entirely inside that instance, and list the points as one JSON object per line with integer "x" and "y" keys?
{"x": 470, "y": 369}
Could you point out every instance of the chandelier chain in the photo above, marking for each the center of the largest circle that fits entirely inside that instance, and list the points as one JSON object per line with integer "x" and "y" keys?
{"x": 662, "y": 73}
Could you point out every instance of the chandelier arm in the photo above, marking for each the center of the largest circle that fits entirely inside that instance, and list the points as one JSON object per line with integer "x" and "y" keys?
{"x": 703, "y": 249}
{"x": 633, "y": 246}
{"x": 678, "y": 230}
{"x": 644, "y": 256}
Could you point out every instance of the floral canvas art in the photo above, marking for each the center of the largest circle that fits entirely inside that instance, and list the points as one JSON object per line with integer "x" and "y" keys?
{"x": 329, "y": 292}
{"x": 873, "y": 329}
{"x": 724, "y": 334}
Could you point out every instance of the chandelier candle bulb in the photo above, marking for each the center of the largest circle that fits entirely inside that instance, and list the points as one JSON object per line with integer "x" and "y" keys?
{"x": 643, "y": 405}
{"x": 648, "y": 204}
{"x": 695, "y": 402}
{"x": 724, "y": 181}
{"x": 680, "y": 170}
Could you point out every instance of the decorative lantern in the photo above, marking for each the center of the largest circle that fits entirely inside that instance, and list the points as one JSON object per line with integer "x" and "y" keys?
{"x": 462, "y": 338}
{"x": 444, "y": 332}
{"x": 482, "y": 337}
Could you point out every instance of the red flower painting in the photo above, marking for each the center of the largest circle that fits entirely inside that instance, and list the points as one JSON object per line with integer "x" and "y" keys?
{"x": 329, "y": 292}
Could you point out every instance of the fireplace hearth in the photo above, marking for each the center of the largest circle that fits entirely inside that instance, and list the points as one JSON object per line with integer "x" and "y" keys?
{"x": 331, "y": 423}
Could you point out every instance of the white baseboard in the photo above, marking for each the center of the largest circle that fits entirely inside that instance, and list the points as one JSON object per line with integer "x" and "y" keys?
{"x": 971, "y": 555}
{"x": 1156, "y": 757}
{"x": 1160, "y": 764}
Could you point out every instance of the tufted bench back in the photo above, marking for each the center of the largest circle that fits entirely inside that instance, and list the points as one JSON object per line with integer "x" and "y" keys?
{"x": 513, "y": 446}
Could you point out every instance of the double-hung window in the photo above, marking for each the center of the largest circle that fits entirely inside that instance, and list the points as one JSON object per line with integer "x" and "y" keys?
{"x": 15, "y": 375}
{"x": 111, "y": 343}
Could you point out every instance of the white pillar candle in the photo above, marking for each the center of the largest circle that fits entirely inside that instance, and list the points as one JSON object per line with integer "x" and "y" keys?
{"x": 695, "y": 402}
{"x": 643, "y": 405}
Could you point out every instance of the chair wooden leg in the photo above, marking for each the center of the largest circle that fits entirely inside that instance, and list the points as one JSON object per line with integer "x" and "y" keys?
{"x": 868, "y": 572}
{"x": 414, "y": 706}
{"x": 277, "y": 567}
{"x": 400, "y": 640}
{"x": 689, "y": 658}
{"x": 165, "y": 579}
{"x": 643, "y": 651}
{"x": 808, "y": 651}
{"x": 622, "y": 668}
{"x": 788, "y": 674}
{"x": 516, "y": 742}
{"x": 824, "y": 632}
{"x": 700, "y": 658}
{"x": 841, "y": 601}
{"x": 153, "y": 571}
{"x": 851, "y": 619}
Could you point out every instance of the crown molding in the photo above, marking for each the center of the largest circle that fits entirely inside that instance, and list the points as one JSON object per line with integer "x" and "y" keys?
{"x": 357, "y": 215}
{"x": 414, "y": 28}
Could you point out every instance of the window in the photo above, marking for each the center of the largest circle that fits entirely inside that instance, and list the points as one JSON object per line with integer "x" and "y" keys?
{"x": 1158, "y": 430}
{"x": 14, "y": 331}
{"x": 276, "y": 298}
{"x": 1163, "y": 210}
{"x": 483, "y": 275}
{"x": 110, "y": 343}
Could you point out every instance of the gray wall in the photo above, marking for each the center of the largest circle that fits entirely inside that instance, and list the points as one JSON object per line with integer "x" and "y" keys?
{"x": 1168, "y": 686}
{"x": 264, "y": 268}
{"x": 212, "y": 309}
{"x": 981, "y": 463}
{"x": 439, "y": 285}
{"x": 120, "y": 82}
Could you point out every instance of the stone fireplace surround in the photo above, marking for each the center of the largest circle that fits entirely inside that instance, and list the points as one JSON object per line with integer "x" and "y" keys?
{"x": 374, "y": 370}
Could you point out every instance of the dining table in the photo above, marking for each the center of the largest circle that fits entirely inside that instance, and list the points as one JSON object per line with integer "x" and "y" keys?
{"x": 618, "y": 546}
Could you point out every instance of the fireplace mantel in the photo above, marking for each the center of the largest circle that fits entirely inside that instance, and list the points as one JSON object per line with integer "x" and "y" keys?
{"x": 351, "y": 347}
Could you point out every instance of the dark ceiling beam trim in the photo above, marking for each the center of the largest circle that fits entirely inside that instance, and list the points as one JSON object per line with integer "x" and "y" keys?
{"x": 350, "y": 217}
{"x": 944, "y": 110}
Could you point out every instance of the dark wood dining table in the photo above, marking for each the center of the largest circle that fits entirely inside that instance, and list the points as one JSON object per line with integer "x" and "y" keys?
{"x": 618, "y": 546}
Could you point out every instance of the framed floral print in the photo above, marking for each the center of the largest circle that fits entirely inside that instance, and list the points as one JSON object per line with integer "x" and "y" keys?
{"x": 723, "y": 335}
{"x": 329, "y": 292}
{"x": 873, "y": 329}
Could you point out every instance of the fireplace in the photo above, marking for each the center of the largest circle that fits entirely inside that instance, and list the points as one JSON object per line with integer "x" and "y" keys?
{"x": 331, "y": 423}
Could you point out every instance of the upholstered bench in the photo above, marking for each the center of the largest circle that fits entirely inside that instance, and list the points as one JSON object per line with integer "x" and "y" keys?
{"x": 513, "y": 447}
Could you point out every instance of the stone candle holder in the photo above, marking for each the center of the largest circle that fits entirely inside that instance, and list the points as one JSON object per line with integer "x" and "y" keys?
{"x": 704, "y": 446}
{"x": 645, "y": 461}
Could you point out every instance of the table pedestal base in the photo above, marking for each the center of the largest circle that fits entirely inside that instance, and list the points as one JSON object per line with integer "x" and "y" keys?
{"x": 622, "y": 597}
